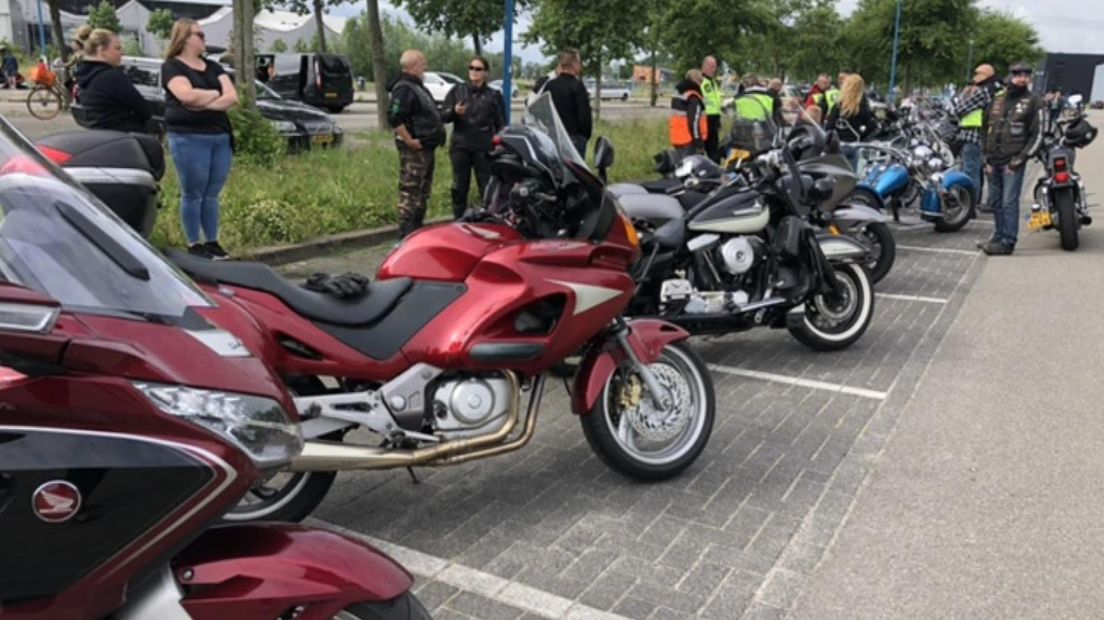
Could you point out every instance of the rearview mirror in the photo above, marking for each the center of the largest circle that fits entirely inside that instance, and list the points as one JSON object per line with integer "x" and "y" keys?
{"x": 603, "y": 154}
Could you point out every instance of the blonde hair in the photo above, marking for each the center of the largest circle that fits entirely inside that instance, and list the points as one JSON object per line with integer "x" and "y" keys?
{"x": 181, "y": 30}
{"x": 851, "y": 94}
{"x": 695, "y": 75}
{"x": 95, "y": 41}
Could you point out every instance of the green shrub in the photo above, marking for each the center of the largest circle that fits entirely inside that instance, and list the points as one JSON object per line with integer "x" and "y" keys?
{"x": 255, "y": 139}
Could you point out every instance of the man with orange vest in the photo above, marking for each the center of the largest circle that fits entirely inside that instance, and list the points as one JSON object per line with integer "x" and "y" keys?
{"x": 689, "y": 128}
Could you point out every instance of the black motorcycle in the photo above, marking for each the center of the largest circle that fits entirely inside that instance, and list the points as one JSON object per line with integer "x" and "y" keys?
{"x": 748, "y": 254}
{"x": 1060, "y": 192}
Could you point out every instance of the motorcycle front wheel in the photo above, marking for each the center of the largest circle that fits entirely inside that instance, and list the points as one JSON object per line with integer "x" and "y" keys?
{"x": 404, "y": 607}
{"x": 883, "y": 248}
{"x": 833, "y": 323}
{"x": 634, "y": 437}
{"x": 958, "y": 208}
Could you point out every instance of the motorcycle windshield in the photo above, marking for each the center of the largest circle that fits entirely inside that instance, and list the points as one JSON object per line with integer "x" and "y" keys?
{"x": 58, "y": 239}
{"x": 542, "y": 116}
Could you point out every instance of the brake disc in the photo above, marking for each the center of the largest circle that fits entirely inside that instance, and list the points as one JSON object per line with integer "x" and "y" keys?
{"x": 658, "y": 425}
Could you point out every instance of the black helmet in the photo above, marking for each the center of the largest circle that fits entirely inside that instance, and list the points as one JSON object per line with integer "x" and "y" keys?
{"x": 1079, "y": 134}
{"x": 1020, "y": 67}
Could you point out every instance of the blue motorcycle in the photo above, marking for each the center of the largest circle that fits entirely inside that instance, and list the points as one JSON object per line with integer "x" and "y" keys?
{"x": 918, "y": 176}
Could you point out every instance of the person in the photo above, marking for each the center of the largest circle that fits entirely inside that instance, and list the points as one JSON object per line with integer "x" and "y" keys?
{"x": 572, "y": 100}
{"x": 774, "y": 88}
{"x": 109, "y": 98}
{"x": 419, "y": 130}
{"x": 969, "y": 107}
{"x": 711, "y": 94}
{"x": 476, "y": 112}
{"x": 538, "y": 86}
{"x": 10, "y": 67}
{"x": 1011, "y": 133}
{"x": 198, "y": 93}
{"x": 816, "y": 96}
{"x": 833, "y": 94}
{"x": 1055, "y": 103}
{"x": 687, "y": 125}
{"x": 852, "y": 117}
{"x": 757, "y": 120}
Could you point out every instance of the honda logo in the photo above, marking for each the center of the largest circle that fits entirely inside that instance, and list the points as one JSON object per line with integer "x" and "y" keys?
{"x": 56, "y": 501}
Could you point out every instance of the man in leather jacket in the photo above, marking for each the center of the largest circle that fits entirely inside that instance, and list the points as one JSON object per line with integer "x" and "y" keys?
{"x": 418, "y": 132}
{"x": 1011, "y": 134}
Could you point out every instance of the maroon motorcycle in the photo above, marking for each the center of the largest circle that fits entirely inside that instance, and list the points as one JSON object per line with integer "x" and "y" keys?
{"x": 129, "y": 423}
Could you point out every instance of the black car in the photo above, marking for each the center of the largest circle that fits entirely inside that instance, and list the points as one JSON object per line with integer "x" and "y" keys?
{"x": 321, "y": 80}
{"x": 302, "y": 125}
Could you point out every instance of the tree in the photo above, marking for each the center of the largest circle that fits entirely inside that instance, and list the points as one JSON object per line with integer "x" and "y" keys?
{"x": 104, "y": 16}
{"x": 301, "y": 46}
{"x": 379, "y": 63}
{"x": 307, "y": 7}
{"x": 694, "y": 29}
{"x": 599, "y": 30}
{"x": 278, "y": 46}
{"x": 242, "y": 46}
{"x": 160, "y": 23}
{"x": 1002, "y": 40}
{"x": 478, "y": 19}
{"x": 55, "y": 25}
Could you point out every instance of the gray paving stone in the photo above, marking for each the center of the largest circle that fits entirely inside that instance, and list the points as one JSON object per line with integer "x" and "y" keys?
{"x": 482, "y": 607}
{"x": 632, "y": 607}
{"x": 607, "y": 590}
{"x": 434, "y": 594}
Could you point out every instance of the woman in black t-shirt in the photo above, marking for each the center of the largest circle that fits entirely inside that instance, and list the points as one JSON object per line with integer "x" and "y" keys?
{"x": 197, "y": 95}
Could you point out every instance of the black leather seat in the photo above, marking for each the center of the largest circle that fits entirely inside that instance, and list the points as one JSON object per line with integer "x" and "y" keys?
{"x": 374, "y": 305}
{"x": 661, "y": 186}
{"x": 672, "y": 234}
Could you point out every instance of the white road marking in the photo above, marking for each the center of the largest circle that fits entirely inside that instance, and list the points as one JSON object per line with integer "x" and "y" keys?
{"x": 809, "y": 383}
{"x": 917, "y": 248}
{"x": 930, "y": 300}
{"x": 544, "y": 604}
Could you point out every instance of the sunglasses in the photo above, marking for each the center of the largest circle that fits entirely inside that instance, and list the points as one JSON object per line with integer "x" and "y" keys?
{"x": 202, "y": 36}
{"x": 474, "y": 68}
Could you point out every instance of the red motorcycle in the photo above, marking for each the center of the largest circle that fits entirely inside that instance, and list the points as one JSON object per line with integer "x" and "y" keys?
{"x": 129, "y": 422}
{"x": 462, "y": 321}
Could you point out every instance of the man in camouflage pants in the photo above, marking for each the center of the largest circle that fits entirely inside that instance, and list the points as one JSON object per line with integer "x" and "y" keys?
{"x": 418, "y": 132}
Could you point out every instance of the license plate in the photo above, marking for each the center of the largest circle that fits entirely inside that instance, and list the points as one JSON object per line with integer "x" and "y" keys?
{"x": 331, "y": 95}
{"x": 323, "y": 139}
{"x": 1039, "y": 221}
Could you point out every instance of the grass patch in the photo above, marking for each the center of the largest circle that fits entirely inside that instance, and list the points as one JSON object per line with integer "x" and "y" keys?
{"x": 354, "y": 187}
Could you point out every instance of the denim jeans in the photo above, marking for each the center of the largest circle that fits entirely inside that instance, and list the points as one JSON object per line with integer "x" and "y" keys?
{"x": 852, "y": 156}
{"x": 1004, "y": 198}
{"x": 972, "y": 166}
{"x": 203, "y": 165}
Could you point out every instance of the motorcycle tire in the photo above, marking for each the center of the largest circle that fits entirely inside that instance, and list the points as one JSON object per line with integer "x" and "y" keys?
{"x": 609, "y": 430}
{"x": 1067, "y": 220}
{"x": 854, "y": 317}
{"x": 866, "y": 197}
{"x": 961, "y": 214}
{"x": 403, "y": 607}
{"x": 880, "y": 237}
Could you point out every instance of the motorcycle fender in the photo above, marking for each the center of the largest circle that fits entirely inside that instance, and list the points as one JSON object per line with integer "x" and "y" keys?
{"x": 255, "y": 571}
{"x": 837, "y": 248}
{"x": 851, "y": 214}
{"x": 647, "y": 337}
{"x": 956, "y": 178}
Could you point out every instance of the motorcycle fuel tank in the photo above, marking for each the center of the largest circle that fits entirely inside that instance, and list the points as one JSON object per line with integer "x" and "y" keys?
{"x": 447, "y": 252}
{"x": 739, "y": 212}
{"x": 887, "y": 180}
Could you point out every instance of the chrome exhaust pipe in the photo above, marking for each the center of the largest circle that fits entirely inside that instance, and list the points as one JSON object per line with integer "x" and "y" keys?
{"x": 335, "y": 456}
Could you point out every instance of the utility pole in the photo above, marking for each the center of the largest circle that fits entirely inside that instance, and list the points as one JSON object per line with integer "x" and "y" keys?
{"x": 508, "y": 59}
{"x": 893, "y": 67}
{"x": 970, "y": 64}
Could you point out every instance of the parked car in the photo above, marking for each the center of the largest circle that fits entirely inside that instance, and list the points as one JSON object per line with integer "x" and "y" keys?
{"x": 1097, "y": 105}
{"x": 498, "y": 85}
{"x": 439, "y": 84}
{"x": 302, "y": 125}
{"x": 610, "y": 90}
{"x": 321, "y": 80}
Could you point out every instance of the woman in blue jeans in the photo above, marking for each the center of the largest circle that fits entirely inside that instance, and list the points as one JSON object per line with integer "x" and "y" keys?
{"x": 197, "y": 95}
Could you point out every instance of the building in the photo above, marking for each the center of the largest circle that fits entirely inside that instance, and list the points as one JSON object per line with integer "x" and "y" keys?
{"x": 1073, "y": 73}
{"x": 216, "y": 16}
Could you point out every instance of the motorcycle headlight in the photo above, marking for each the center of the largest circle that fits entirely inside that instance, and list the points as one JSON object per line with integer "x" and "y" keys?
{"x": 284, "y": 126}
{"x": 259, "y": 426}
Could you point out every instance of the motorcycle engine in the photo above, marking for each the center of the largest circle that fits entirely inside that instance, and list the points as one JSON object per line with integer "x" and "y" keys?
{"x": 737, "y": 255}
{"x": 470, "y": 406}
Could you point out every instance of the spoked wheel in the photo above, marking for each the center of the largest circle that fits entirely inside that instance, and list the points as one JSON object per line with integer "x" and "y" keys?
{"x": 958, "y": 208}
{"x": 44, "y": 103}
{"x": 404, "y": 607}
{"x": 883, "y": 248}
{"x": 835, "y": 322}
{"x": 641, "y": 440}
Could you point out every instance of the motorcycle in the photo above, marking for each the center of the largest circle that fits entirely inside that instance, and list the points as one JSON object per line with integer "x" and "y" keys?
{"x": 131, "y": 422}
{"x": 1060, "y": 192}
{"x": 818, "y": 156}
{"x": 921, "y": 173}
{"x": 465, "y": 318}
{"x": 748, "y": 255}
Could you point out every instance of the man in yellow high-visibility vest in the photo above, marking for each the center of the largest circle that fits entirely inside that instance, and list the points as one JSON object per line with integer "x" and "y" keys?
{"x": 711, "y": 93}
{"x": 969, "y": 107}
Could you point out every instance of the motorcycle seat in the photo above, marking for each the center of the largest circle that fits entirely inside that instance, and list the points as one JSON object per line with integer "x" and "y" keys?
{"x": 379, "y": 299}
{"x": 653, "y": 207}
{"x": 625, "y": 189}
{"x": 660, "y": 186}
{"x": 672, "y": 234}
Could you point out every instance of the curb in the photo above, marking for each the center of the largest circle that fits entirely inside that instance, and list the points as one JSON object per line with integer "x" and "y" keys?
{"x": 282, "y": 254}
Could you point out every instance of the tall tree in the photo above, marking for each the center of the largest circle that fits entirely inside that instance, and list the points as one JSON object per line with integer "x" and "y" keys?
{"x": 694, "y": 29}
{"x": 103, "y": 16}
{"x": 160, "y": 23}
{"x": 305, "y": 7}
{"x": 55, "y": 25}
{"x": 379, "y": 63}
{"x": 599, "y": 30}
{"x": 242, "y": 44}
{"x": 1001, "y": 39}
{"x": 478, "y": 19}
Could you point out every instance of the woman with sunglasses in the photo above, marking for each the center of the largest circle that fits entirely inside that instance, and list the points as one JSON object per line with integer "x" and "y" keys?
{"x": 198, "y": 92}
{"x": 477, "y": 113}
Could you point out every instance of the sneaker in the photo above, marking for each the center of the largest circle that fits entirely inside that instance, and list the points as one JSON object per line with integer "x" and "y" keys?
{"x": 994, "y": 248}
{"x": 215, "y": 251}
{"x": 200, "y": 250}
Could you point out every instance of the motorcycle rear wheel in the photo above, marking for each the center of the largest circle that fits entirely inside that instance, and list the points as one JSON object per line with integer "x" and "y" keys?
{"x": 1067, "y": 220}
{"x": 833, "y": 325}
{"x": 612, "y": 427}
{"x": 403, "y": 607}
{"x": 957, "y": 210}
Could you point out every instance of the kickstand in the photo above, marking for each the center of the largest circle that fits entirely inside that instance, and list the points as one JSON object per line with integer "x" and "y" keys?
{"x": 413, "y": 476}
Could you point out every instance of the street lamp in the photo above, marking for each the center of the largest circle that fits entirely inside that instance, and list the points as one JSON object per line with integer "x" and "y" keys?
{"x": 508, "y": 59}
{"x": 893, "y": 67}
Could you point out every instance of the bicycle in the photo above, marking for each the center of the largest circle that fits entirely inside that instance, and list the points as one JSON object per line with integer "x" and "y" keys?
{"x": 48, "y": 98}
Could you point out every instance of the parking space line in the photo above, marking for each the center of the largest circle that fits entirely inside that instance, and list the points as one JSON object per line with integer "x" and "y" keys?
{"x": 929, "y": 300}
{"x": 918, "y": 248}
{"x": 505, "y": 591}
{"x": 808, "y": 383}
